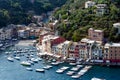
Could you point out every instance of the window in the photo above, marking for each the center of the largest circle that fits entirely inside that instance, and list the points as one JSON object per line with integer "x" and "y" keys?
{"x": 106, "y": 54}
{"x": 99, "y": 33}
{"x": 111, "y": 54}
{"x": 111, "y": 58}
{"x": 94, "y": 36}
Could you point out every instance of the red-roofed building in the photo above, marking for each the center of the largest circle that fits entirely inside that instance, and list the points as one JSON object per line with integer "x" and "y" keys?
{"x": 49, "y": 41}
{"x": 44, "y": 34}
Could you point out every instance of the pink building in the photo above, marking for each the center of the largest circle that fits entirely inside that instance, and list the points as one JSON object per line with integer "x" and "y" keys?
{"x": 97, "y": 35}
{"x": 112, "y": 52}
{"x": 83, "y": 52}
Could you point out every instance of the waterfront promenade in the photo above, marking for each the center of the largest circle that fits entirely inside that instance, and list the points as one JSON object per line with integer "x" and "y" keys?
{"x": 25, "y": 42}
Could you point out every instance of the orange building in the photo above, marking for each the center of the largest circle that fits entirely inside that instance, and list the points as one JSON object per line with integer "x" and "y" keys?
{"x": 112, "y": 52}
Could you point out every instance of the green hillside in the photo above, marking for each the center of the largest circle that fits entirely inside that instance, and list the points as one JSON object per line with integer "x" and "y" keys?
{"x": 20, "y": 11}
{"x": 75, "y": 19}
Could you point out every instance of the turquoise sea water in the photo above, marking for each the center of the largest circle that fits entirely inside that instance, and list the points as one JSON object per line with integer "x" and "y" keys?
{"x": 15, "y": 71}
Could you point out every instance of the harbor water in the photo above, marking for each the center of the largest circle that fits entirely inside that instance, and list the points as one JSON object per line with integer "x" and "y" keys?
{"x": 15, "y": 71}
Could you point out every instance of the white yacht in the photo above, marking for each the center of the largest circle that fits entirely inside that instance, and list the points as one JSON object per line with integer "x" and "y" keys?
{"x": 70, "y": 73}
{"x": 25, "y": 63}
{"x": 55, "y": 63}
{"x": 39, "y": 59}
{"x": 54, "y": 60}
{"x": 34, "y": 60}
{"x": 64, "y": 68}
{"x": 97, "y": 79}
{"x": 61, "y": 62}
{"x": 17, "y": 58}
{"x": 79, "y": 66}
{"x": 29, "y": 69}
{"x": 31, "y": 62}
{"x": 10, "y": 59}
{"x": 47, "y": 67}
{"x": 73, "y": 64}
{"x": 6, "y": 53}
{"x": 60, "y": 71}
{"x": 76, "y": 76}
{"x": 82, "y": 72}
{"x": 75, "y": 69}
{"x": 40, "y": 70}
{"x": 31, "y": 55}
{"x": 88, "y": 67}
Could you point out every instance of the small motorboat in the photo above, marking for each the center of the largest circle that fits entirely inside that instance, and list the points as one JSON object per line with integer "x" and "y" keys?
{"x": 60, "y": 71}
{"x": 75, "y": 69}
{"x": 82, "y": 71}
{"x": 17, "y": 58}
{"x": 34, "y": 60}
{"x": 39, "y": 59}
{"x": 29, "y": 69}
{"x": 79, "y": 66}
{"x": 31, "y": 62}
{"x": 61, "y": 62}
{"x": 70, "y": 73}
{"x": 64, "y": 68}
{"x": 97, "y": 78}
{"x": 73, "y": 64}
{"x": 6, "y": 53}
{"x": 31, "y": 55}
{"x": 55, "y": 63}
{"x": 10, "y": 59}
{"x": 40, "y": 70}
{"x": 54, "y": 60}
{"x": 47, "y": 67}
{"x": 25, "y": 63}
{"x": 88, "y": 67}
{"x": 76, "y": 76}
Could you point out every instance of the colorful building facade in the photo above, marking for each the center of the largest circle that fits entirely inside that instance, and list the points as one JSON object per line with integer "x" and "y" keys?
{"x": 97, "y": 35}
{"x": 112, "y": 52}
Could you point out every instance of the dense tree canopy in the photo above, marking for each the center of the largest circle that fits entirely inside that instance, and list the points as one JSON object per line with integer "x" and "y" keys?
{"x": 79, "y": 20}
{"x": 20, "y": 11}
